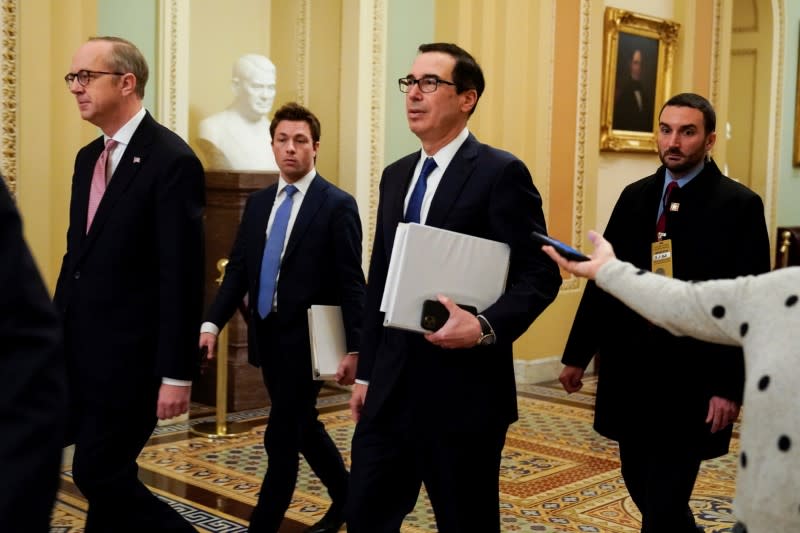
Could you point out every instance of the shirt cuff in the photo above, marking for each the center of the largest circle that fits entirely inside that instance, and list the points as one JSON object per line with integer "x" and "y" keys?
{"x": 178, "y": 382}
{"x": 209, "y": 327}
{"x": 362, "y": 382}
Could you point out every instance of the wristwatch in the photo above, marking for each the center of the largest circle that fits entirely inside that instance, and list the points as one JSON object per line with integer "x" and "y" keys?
{"x": 487, "y": 333}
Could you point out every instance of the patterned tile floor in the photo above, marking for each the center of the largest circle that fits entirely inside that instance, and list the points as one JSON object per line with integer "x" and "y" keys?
{"x": 557, "y": 475}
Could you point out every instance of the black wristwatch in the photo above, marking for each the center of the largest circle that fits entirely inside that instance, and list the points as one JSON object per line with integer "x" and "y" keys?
{"x": 487, "y": 333}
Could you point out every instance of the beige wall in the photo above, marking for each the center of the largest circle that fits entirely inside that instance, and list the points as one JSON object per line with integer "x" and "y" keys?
{"x": 751, "y": 62}
{"x": 50, "y": 130}
{"x": 543, "y": 62}
{"x": 513, "y": 40}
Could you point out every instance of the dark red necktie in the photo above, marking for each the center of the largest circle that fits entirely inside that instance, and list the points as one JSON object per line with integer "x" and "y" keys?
{"x": 661, "y": 225}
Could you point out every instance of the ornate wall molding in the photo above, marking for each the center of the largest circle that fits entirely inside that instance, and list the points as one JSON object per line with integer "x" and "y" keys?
{"x": 778, "y": 51}
{"x": 716, "y": 32}
{"x": 9, "y": 25}
{"x": 173, "y": 68}
{"x": 546, "y": 130}
{"x": 302, "y": 42}
{"x": 579, "y": 195}
{"x": 377, "y": 112}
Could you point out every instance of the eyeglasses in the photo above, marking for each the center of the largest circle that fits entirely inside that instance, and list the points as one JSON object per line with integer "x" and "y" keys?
{"x": 426, "y": 84}
{"x": 85, "y": 76}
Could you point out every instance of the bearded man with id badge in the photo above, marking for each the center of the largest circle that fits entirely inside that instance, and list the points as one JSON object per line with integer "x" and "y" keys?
{"x": 668, "y": 401}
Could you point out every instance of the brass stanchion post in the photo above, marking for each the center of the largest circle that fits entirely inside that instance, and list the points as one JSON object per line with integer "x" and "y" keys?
{"x": 221, "y": 428}
{"x": 786, "y": 242}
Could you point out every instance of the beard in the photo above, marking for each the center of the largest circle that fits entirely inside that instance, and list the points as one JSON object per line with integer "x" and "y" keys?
{"x": 688, "y": 161}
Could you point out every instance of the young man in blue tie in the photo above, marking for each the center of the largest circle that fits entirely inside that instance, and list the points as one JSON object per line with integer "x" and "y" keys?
{"x": 299, "y": 244}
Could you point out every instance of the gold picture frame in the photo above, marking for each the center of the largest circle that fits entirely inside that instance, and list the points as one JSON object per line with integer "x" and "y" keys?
{"x": 638, "y": 57}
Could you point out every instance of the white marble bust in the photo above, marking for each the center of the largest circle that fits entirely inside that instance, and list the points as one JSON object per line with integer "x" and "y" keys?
{"x": 238, "y": 137}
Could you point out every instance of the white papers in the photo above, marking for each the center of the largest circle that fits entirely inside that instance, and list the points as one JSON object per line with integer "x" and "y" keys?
{"x": 427, "y": 261}
{"x": 328, "y": 343}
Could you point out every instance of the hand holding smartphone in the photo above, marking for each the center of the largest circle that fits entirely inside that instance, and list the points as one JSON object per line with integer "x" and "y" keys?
{"x": 435, "y": 314}
{"x": 565, "y": 251}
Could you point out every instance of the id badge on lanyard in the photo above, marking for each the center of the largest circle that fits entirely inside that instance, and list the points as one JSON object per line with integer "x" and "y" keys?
{"x": 661, "y": 251}
{"x": 661, "y": 254}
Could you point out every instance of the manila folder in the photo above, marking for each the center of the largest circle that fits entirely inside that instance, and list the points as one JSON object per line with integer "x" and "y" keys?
{"x": 427, "y": 261}
{"x": 328, "y": 344}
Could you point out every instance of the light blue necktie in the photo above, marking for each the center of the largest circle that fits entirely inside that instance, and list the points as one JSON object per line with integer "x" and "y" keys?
{"x": 271, "y": 261}
{"x": 418, "y": 194}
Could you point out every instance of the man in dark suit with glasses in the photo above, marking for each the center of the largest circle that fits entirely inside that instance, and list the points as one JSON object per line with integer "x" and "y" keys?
{"x": 422, "y": 415}
{"x": 130, "y": 288}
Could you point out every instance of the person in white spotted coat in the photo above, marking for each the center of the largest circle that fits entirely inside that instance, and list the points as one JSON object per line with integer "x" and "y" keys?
{"x": 762, "y": 315}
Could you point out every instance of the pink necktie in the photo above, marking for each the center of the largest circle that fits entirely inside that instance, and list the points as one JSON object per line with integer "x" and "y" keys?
{"x": 99, "y": 182}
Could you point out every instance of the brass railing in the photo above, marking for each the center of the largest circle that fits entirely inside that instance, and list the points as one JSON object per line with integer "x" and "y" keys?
{"x": 783, "y": 251}
{"x": 221, "y": 428}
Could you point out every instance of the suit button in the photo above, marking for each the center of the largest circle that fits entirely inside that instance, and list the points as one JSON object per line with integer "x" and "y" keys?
{"x": 77, "y": 274}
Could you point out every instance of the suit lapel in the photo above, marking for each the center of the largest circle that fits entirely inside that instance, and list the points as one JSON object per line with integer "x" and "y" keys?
{"x": 259, "y": 218}
{"x": 393, "y": 197}
{"x": 397, "y": 190}
{"x": 455, "y": 176}
{"x": 315, "y": 196}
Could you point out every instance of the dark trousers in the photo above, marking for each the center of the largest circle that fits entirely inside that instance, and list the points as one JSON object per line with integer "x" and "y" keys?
{"x": 294, "y": 428}
{"x": 460, "y": 471}
{"x": 107, "y": 443}
{"x": 660, "y": 481}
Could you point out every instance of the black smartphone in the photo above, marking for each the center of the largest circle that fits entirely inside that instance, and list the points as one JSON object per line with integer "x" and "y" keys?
{"x": 567, "y": 252}
{"x": 435, "y": 314}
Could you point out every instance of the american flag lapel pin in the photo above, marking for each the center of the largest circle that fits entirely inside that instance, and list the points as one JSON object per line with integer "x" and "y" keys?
{"x": 137, "y": 159}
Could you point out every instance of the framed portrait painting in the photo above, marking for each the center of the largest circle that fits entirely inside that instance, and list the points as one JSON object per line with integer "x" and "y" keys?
{"x": 638, "y": 55}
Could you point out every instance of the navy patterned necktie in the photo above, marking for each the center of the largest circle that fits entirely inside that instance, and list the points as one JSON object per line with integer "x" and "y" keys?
{"x": 418, "y": 194}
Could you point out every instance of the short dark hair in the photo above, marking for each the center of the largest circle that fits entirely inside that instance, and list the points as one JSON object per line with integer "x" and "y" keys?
{"x": 295, "y": 112}
{"x": 695, "y": 101}
{"x": 126, "y": 57}
{"x": 467, "y": 73}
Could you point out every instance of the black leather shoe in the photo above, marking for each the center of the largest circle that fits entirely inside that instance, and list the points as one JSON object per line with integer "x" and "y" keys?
{"x": 328, "y": 524}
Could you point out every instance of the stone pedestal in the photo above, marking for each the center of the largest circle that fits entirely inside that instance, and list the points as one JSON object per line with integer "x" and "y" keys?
{"x": 226, "y": 193}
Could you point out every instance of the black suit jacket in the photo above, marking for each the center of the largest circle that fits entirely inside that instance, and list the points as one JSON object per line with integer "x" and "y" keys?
{"x": 651, "y": 381}
{"x": 32, "y": 398}
{"x": 321, "y": 265}
{"x": 487, "y": 193}
{"x": 131, "y": 289}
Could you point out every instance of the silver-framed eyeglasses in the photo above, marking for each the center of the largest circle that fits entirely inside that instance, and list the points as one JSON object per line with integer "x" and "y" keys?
{"x": 426, "y": 84}
{"x": 85, "y": 76}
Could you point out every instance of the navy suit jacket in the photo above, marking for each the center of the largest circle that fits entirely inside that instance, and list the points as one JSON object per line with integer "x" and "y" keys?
{"x": 321, "y": 265}
{"x": 487, "y": 193}
{"x": 32, "y": 398}
{"x": 131, "y": 290}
